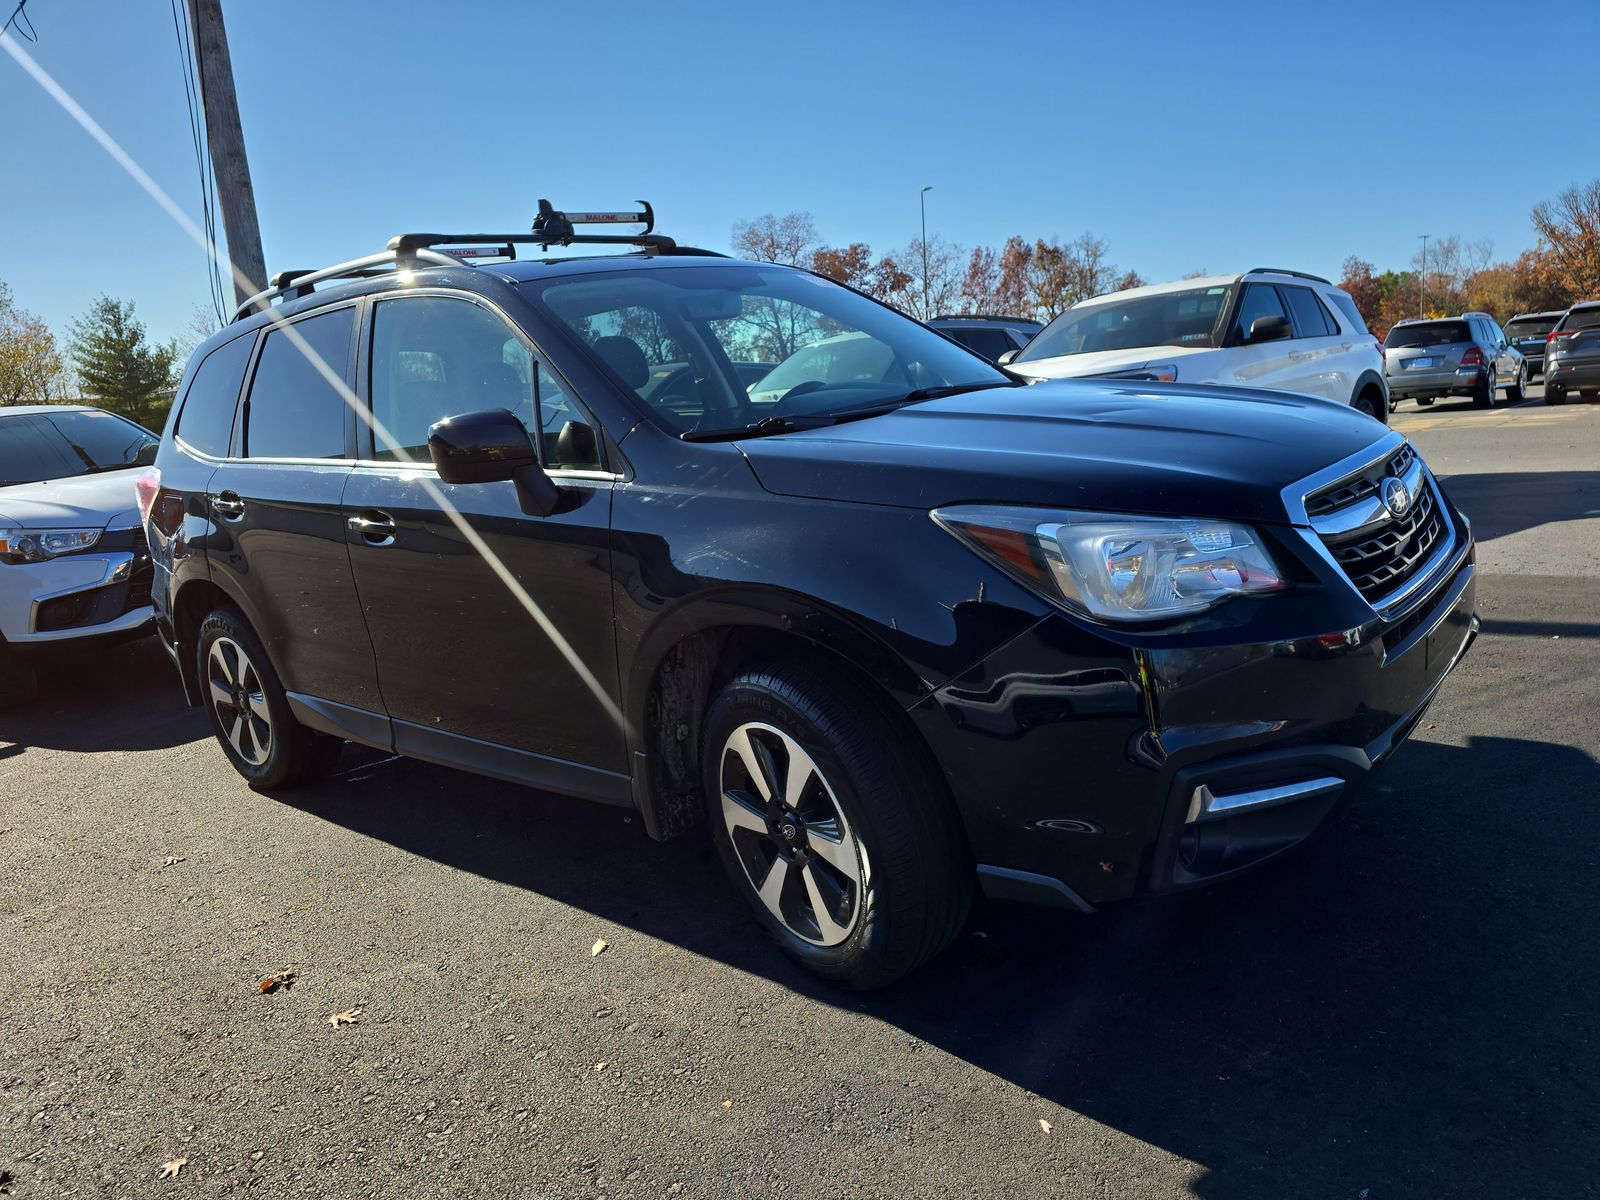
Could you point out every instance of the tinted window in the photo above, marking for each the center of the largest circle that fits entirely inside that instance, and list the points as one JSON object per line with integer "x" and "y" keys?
{"x": 991, "y": 343}
{"x": 1188, "y": 318}
{"x": 1582, "y": 318}
{"x": 1309, "y": 318}
{"x": 206, "y": 421}
{"x": 434, "y": 357}
{"x": 1530, "y": 327}
{"x": 1260, "y": 300}
{"x": 569, "y": 438}
{"x": 1348, "y": 310}
{"x": 35, "y": 446}
{"x": 1428, "y": 333}
{"x": 293, "y": 411}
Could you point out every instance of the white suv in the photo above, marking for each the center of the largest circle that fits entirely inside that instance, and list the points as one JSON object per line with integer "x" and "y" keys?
{"x": 1263, "y": 329}
{"x": 73, "y": 561}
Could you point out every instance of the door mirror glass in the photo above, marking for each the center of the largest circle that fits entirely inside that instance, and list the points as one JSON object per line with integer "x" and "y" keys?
{"x": 1006, "y": 357}
{"x": 1270, "y": 329}
{"x": 145, "y": 456}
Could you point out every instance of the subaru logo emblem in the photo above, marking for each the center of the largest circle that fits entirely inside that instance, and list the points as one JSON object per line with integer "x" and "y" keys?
{"x": 789, "y": 832}
{"x": 1395, "y": 497}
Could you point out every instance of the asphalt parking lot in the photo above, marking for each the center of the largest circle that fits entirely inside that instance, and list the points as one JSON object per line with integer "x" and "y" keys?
{"x": 1407, "y": 1007}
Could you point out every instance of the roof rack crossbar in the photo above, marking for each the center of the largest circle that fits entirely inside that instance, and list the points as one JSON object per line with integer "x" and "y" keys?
{"x": 301, "y": 283}
{"x": 1286, "y": 271}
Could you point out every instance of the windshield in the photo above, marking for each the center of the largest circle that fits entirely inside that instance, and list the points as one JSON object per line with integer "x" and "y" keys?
{"x": 1189, "y": 318}
{"x": 1430, "y": 333}
{"x": 1527, "y": 327}
{"x": 58, "y": 445}
{"x": 715, "y": 349}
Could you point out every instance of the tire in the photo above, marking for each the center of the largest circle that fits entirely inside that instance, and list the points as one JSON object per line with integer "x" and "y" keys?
{"x": 1518, "y": 391}
{"x": 1424, "y": 401}
{"x": 1371, "y": 403}
{"x": 1483, "y": 392}
{"x": 265, "y": 744}
{"x": 876, "y": 873}
{"x": 1554, "y": 395}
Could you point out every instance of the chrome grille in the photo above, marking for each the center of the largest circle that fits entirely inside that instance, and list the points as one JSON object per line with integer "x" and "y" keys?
{"x": 1350, "y": 491}
{"x": 1379, "y": 552}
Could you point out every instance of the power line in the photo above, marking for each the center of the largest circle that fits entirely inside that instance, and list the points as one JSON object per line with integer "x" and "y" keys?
{"x": 18, "y": 19}
{"x": 194, "y": 97}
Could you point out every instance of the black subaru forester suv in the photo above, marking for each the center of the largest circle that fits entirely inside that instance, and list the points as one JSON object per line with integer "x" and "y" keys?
{"x": 894, "y": 626}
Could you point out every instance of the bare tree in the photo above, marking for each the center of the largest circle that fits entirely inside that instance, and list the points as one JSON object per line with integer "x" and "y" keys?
{"x": 790, "y": 239}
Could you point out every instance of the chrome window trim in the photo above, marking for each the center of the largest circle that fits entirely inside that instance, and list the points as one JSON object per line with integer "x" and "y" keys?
{"x": 553, "y": 472}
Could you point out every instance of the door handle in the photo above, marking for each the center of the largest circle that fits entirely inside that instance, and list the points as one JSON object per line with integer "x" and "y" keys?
{"x": 376, "y": 528}
{"x": 228, "y": 505}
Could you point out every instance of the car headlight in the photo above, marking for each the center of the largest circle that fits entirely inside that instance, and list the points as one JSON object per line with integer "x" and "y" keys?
{"x": 1118, "y": 568}
{"x": 37, "y": 545}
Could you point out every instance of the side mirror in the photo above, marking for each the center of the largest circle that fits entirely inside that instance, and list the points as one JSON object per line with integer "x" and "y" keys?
{"x": 145, "y": 455}
{"x": 1006, "y": 357}
{"x": 1270, "y": 329}
{"x": 490, "y": 447}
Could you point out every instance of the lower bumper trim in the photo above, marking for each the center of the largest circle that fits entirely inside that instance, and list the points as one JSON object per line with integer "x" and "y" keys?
{"x": 1206, "y": 805}
{"x": 1028, "y": 887}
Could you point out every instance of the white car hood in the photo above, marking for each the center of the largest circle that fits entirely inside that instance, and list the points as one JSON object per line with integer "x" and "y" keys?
{"x": 1072, "y": 366}
{"x": 80, "y": 502}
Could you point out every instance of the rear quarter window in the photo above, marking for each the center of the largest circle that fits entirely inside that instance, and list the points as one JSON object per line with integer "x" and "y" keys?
{"x": 1348, "y": 312}
{"x": 206, "y": 419}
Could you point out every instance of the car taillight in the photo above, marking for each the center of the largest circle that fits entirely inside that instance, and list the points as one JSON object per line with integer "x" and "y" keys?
{"x": 148, "y": 486}
{"x": 1472, "y": 358}
{"x": 1558, "y": 333}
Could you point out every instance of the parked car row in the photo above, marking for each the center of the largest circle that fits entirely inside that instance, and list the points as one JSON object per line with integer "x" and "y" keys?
{"x": 895, "y": 624}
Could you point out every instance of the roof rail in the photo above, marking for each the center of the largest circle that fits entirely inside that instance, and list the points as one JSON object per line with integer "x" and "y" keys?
{"x": 986, "y": 317}
{"x": 550, "y": 228}
{"x": 302, "y": 283}
{"x": 1286, "y": 271}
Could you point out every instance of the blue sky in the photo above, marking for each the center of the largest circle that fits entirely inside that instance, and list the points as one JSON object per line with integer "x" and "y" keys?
{"x": 1186, "y": 135}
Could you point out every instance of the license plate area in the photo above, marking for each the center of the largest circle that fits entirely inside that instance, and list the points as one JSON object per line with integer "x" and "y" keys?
{"x": 1420, "y": 364}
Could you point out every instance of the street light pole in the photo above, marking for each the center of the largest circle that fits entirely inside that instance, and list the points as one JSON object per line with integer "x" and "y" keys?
{"x": 1422, "y": 278}
{"x": 925, "y": 302}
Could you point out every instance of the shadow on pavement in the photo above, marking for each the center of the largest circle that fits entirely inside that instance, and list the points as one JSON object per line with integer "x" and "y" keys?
{"x": 122, "y": 697}
{"x": 1506, "y": 502}
{"x": 1407, "y": 1005}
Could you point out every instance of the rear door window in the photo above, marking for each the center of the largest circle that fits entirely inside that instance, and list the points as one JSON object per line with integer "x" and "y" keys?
{"x": 206, "y": 419}
{"x": 1310, "y": 319}
{"x": 293, "y": 411}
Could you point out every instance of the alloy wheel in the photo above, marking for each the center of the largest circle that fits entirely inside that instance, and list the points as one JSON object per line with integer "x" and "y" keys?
{"x": 239, "y": 701}
{"x": 790, "y": 835}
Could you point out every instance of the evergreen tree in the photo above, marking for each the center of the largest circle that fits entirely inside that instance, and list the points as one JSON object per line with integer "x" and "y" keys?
{"x": 117, "y": 364}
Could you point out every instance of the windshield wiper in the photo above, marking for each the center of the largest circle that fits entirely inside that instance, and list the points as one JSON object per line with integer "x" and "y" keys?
{"x": 954, "y": 389}
{"x": 795, "y": 424}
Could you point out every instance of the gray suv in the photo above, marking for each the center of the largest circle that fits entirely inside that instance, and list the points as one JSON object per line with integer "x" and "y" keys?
{"x": 1572, "y": 354}
{"x": 1527, "y": 332}
{"x": 990, "y": 336}
{"x": 1467, "y": 355}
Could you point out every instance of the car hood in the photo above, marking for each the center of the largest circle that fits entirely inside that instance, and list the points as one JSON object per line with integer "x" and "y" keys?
{"x": 79, "y": 502}
{"x": 1089, "y": 445}
{"x": 1072, "y": 366}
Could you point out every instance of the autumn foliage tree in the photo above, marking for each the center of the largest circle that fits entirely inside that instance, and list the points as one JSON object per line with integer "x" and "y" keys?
{"x": 1569, "y": 227}
{"x": 30, "y": 364}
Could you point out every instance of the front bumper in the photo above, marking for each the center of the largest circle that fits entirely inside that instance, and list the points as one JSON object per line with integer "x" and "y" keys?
{"x": 1087, "y": 773}
{"x": 105, "y": 592}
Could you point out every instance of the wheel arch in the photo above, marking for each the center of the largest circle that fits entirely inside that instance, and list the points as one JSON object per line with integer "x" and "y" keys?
{"x": 1370, "y": 380}
{"x": 690, "y": 652}
{"x": 191, "y": 602}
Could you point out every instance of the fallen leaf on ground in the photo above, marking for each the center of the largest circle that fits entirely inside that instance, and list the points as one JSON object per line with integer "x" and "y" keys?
{"x": 727, "y": 1104}
{"x": 1045, "y": 1125}
{"x": 350, "y": 1016}
{"x": 599, "y": 947}
{"x": 170, "y": 1169}
{"x": 283, "y": 979}
{"x": 600, "y": 1066}
{"x": 171, "y": 860}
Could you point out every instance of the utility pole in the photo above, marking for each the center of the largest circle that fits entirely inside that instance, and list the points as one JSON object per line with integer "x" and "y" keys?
{"x": 926, "y": 315}
{"x": 1422, "y": 278}
{"x": 235, "y": 196}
